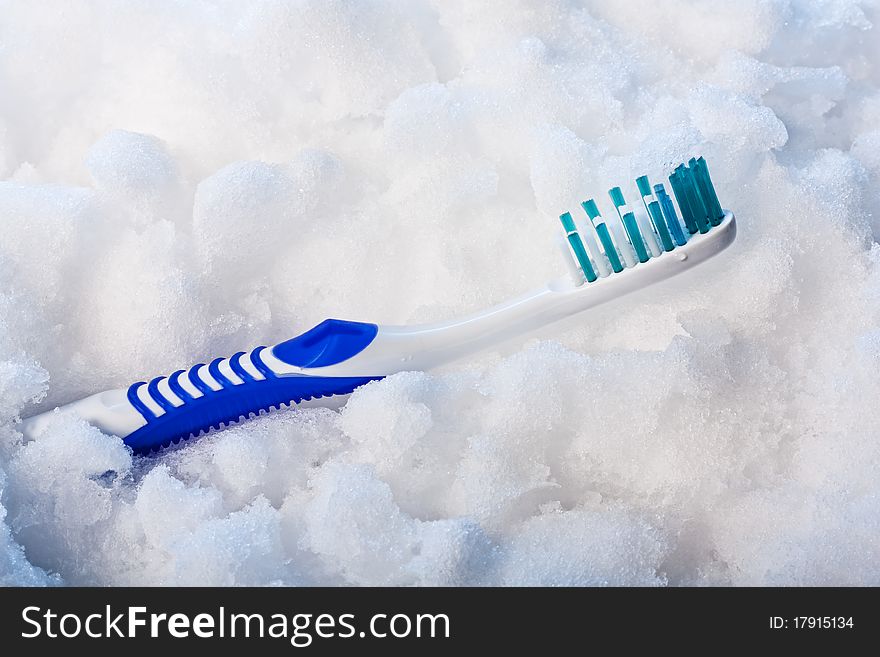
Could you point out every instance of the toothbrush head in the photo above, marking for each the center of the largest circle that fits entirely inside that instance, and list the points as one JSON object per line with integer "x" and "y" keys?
{"x": 628, "y": 238}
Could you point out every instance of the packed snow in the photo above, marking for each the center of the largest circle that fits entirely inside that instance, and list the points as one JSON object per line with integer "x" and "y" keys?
{"x": 184, "y": 180}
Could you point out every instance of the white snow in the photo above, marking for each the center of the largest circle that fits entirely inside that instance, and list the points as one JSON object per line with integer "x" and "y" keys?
{"x": 183, "y": 180}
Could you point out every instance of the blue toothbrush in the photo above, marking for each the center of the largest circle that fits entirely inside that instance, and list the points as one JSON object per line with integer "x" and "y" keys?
{"x": 606, "y": 257}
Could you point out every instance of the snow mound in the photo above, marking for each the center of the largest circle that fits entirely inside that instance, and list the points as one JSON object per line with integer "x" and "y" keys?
{"x": 272, "y": 164}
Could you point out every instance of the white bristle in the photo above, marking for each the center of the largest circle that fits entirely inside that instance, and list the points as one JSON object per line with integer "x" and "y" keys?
{"x": 615, "y": 224}
{"x": 647, "y": 230}
{"x": 591, "y": 241}
{"x": 574, "y": 271}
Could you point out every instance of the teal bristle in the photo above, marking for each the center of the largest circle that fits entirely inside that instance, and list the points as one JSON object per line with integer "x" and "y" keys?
{"x": 701, "y": 212}
{"x": 577, "y": 246}
{"x": 703, "y": 190}
{"x": 707, "y": 190}
{"x": 592, "y": 211}
{"x": 630, "y": 224}
{"x": 655, "y": 213}
{"x": 669, "y": 214}
{"x": 697, "y": 202}
{"x": 678, "y": 189}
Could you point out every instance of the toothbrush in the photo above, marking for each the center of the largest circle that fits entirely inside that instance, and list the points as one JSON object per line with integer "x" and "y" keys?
{"x": 607, "y": 258}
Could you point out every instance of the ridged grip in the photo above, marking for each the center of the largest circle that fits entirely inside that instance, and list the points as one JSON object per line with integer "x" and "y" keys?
{"x": 245, "y": 385}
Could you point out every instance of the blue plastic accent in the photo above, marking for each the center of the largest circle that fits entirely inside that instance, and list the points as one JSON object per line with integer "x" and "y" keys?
{"x": 257, "y": 360}
{"x": 135, "y": 401}
{"x": 232, "y": 403}
{"x": 219, "y": 377}
{"x": 330, "y": 342}
{"x": 197, "y": 381}
{"x": 176, "y": 388}
{"x": 238, "y": 368}
{"x": 158, "y": 397}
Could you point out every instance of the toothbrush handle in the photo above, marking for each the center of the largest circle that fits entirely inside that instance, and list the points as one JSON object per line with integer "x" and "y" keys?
{"x": 229, "y": 389}
{"x": 167, "y": 409}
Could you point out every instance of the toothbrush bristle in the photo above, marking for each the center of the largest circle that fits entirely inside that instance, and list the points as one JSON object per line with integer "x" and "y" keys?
{"x": 629, "y": 223}
{"x": 577, "y": 247}
{"x": 608, "y": 247}
{"x": 634, "y": 239}
{"x": 652, "y": 207}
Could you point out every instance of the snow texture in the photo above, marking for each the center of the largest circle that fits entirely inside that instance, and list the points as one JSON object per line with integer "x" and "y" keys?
{"x": 183, "y": 180}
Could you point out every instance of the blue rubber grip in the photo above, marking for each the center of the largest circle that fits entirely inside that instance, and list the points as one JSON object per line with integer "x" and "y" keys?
{"x": 329, "y": 343}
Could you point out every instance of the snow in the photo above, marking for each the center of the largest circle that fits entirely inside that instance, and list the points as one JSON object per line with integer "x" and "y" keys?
{"x": 183, "y": 180}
